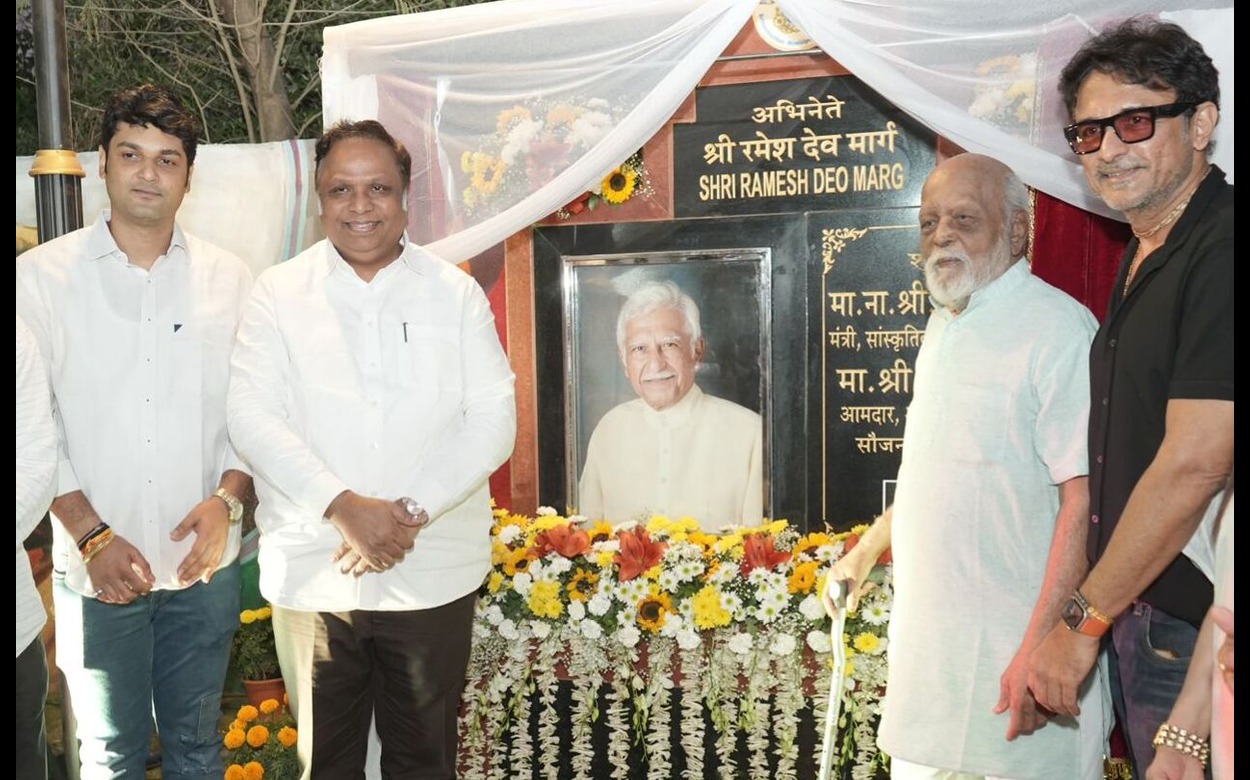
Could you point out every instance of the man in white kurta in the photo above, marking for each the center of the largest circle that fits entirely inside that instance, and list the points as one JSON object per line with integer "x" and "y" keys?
{"x": 990, "y": 489}
{"x": 674, "y": 450}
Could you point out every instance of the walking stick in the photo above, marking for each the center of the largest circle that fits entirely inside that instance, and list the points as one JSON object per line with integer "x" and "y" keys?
{"x": 839, "y": 590}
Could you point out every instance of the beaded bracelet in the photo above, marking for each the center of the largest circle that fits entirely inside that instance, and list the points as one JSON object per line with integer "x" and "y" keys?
{"x": 1183, "y": 741}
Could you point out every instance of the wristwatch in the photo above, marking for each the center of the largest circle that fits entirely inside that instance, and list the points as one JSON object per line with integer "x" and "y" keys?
{"x": 233, "y": 502}
{"x": 1080, "y": 617}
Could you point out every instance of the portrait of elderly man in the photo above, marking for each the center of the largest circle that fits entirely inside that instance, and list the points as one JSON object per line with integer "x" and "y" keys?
{"x": 673, "y": 450}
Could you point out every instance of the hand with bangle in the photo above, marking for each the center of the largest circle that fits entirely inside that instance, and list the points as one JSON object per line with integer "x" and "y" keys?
{"x": 115, "y": 567}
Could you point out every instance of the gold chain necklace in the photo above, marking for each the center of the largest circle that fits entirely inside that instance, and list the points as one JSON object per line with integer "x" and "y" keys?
{"x": 1171, "y": 217}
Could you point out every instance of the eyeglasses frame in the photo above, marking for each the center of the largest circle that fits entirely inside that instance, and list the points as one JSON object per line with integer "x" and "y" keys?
{"x": 1166, "y": 110}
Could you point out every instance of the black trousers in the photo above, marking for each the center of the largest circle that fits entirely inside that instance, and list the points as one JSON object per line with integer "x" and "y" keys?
{"x": 404, "y": 670}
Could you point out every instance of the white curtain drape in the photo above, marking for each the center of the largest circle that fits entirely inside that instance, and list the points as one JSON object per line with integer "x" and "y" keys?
{"x": 517, "y": 106}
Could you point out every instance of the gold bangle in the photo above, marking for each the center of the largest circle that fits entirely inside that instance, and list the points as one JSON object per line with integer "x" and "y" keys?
{"x": 98, "y": 544}
{"x": 1183, "y": 741}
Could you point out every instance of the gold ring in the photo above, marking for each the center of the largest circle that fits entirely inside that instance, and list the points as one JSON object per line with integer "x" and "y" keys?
{"x": 1223, "y": 667}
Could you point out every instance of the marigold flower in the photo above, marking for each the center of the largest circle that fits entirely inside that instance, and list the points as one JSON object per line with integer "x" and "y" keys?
{"x": 269, "y": 706}
{"x": 288, "y": 736}
{"x": 235, "y": 738}
{"x": 247, "y": 617}
{"x": 253, "y": 770}
{"x": 235, "y": 772}
{"x": 257, "y": 736}
{"x": 247, "y": 713}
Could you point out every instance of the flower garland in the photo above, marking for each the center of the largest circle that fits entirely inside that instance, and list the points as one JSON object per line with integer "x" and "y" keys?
{"x": 631, "y": 613}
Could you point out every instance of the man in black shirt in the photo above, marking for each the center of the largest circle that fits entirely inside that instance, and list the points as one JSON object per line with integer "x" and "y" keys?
{"x": 1144, "y": 101}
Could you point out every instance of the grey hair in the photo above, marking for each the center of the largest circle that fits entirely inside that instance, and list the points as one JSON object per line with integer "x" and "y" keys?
{"x": 657, "y": 295}
{"x": 1015, "y": 199}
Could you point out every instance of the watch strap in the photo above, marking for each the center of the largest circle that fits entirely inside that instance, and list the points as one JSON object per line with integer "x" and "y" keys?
{"x": 1093, "y": 623}
{"x": 233, "y": 503}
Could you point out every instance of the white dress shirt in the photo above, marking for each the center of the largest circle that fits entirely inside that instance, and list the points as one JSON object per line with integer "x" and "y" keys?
{"x": 702, "y": 458}
{"x": 997, "y": 420}
{"x": 139, "y": 361}
{"x": 36, "y": 475}
{"x": 389, "y": 388}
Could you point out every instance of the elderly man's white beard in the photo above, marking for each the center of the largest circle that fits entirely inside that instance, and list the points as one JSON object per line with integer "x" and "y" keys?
{"x": 952, "y": 287}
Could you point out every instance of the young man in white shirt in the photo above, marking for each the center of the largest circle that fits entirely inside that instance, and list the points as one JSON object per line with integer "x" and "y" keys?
{"x": 136, "y": 320}
{"x": 371, "y": 394}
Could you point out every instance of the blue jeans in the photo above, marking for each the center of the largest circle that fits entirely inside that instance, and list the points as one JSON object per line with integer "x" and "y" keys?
{"x": 1152, "y": 650}
{"x": 164, "y": 653}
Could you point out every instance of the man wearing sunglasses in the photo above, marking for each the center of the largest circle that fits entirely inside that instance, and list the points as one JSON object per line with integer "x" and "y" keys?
{"x": 1143, "y": 97}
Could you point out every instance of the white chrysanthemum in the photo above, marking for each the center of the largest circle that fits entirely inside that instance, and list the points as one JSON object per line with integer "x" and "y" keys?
{"x": 669, "y": 580}
{"x": 819, "y": 641}
{"x": 539, "y": 629}
{"x": 509, "y": 533}
{"x": 599, "y": 604}
{"x": 546, "y": 510}
{"x": 732, "y": 603}
{"x": 689, "y": 570}
{"x": 589, "y": 128}
{"x": 558, "y": 565}
{"x": 723, "y": 575}
{"x": 632, "y": 592}
{"x": 577, "y": 610}
{"x": 590, "y": 629}
{"x": 480, "y": 631}
{"x": 673, "y": 625}
{"x": 824, "y": 553}
{"x": 688, "y": 639}
{"x": 494, "y": 615}
{"x": 578, "y": 519}
{"x": 537, "y": 571}
{"x": 629, "y": 635}
{"x": 875, "y": 614}
{"x": 741, "y": 643}
{"x": 607, "y": 545}
{"x": 522, "y": 582}
{"x": 811, "y": 607}
{"x": 782, "y": 644}
{"x": 508, "y": 629}
{"x": 517, "y": 143}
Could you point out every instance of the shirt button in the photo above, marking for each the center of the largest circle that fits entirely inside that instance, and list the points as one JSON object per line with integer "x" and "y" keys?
{"x": 1111, "y": 343}
{"x": 1098, "y": 459}
{"x": 1104, "y": 402}
{"x": 1094, "y": 519}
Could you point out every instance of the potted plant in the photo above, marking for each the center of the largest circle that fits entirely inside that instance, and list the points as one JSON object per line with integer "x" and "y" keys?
{"x": 255, "y": 656}
{"x": 260, "y": 743}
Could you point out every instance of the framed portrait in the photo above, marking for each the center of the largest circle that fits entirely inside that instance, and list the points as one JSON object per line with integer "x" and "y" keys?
{"x": 730, "y": 289}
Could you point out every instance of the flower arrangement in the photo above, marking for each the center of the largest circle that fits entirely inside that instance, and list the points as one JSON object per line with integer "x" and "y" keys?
{"x": 253, "y": 653}
{"x": 620, "y": 184}
{"x": 260, "y": 743}
{"x": 736, "y": 616}
{"x": 1006, "y": 90}
{"x": 532, "y": 142}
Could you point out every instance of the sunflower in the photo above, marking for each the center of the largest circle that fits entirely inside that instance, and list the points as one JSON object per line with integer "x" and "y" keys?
{"x": 601, "y": 531}
{"x": 582, "y": 585}
{"x": 653, "y": 611}
{"x": 618, "y": 186}
{"x": 518, "y": 561}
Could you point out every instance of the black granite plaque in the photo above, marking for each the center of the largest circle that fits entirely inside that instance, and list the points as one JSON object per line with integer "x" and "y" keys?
{"x": 869, "y": 307}
{"x": 799, "y": 145}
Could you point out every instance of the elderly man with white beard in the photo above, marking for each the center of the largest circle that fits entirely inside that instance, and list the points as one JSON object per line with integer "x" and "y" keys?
{"x": 987, "y": 526}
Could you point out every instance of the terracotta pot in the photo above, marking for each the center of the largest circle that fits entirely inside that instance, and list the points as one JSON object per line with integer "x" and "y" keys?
{"x": 259, "y": 690}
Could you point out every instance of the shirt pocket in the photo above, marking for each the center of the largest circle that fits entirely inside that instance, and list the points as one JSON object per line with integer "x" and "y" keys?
{"x": 429, "y": 359}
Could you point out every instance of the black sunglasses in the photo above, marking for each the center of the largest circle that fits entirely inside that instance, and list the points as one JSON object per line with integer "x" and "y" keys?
{"x": 1132, "y": 126}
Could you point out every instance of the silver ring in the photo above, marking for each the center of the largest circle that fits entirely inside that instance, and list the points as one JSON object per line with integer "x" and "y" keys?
{"x": 99, "y": 593}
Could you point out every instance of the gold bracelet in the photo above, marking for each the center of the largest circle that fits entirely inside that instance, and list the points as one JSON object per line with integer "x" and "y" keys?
{"x": 1181, "y": 740}
{"x": 97, "y": 544}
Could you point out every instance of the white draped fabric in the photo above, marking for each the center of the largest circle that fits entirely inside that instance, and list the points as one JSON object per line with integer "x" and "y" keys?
{"x": 513, "y": 108}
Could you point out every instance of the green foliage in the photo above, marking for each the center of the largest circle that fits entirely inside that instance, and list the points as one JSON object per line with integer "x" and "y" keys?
{"x": 191, "y": 46}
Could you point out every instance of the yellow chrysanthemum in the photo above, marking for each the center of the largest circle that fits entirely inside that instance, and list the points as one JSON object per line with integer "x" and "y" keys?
{"x": 562, "y": 114}
{"x": 247, "y": 617}
{"x": 702, "y": 538}
{"x": 235, "y": 738}
{"x": 269, "y": 706}
{"x": 582, "y": 585}
{"x": 544, "y": 599}
{"x": 618, "y": 186}
{"x": 604, "y": 558}
{"x": 253, "y": 770}
{"x": 234, "y": 772}
{"x": 773, "y": 528}
{"x": 257, "y": 736}
{"x": 498, "y": 551}
{"x": 288, "y": 736}
{"x": 247, "y": 713}
{"x": 653, "y": 611}
{"x": 867, "y": 642}
{"x": 708, "y": 611}
{"x": 494, "y": 582}
{"x": 543, "y": 523}
{"x": 803, "y": 578}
